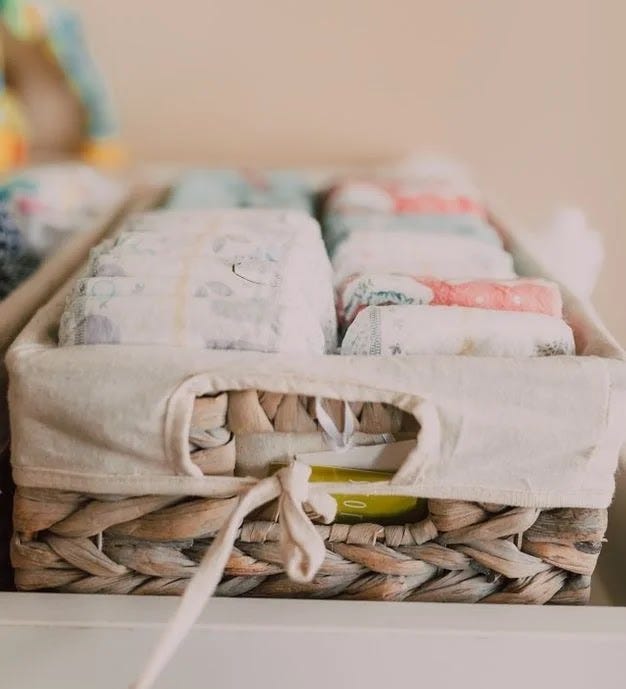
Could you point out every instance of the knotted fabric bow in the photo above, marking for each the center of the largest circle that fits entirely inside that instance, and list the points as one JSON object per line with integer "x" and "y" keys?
{"x": 302, "y": 547}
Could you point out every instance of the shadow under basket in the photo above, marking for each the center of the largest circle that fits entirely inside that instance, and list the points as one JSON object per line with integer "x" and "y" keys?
{"x": 455, "y": 551}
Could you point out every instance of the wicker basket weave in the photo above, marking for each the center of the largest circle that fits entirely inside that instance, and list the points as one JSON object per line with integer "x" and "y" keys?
{"x": 6, "y": 503}
{"x": 18, "y": 308}
{"x": 459, "y": 551}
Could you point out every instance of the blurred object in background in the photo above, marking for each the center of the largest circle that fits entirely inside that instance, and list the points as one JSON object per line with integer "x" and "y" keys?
{"x": 42, "y": 207}
{"x": 51, "y": 202}
{"x": 432, "y": 171}
{"x": 53, "y": 101}
{"x": 573, "y": 251}
{"x": 203, "y": 188}
{"x": 17, "y": 259}
{"x": 12, "y": 124}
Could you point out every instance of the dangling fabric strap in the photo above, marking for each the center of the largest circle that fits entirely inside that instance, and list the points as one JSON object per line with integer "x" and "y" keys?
{"x": 302, "y": 548}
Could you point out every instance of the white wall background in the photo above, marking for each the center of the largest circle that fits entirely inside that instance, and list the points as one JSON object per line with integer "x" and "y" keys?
{"x": 530, "y": 93}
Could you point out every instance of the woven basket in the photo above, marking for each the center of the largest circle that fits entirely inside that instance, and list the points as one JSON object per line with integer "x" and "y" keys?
{"x": 457, "y": 551}
{"x": 6, "y": 503}
{"x": 15, "y": 312}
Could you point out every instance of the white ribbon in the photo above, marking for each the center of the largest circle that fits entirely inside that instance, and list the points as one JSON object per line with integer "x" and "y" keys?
{"x": 303, "y": 552}
{"x": 338, "y": 440}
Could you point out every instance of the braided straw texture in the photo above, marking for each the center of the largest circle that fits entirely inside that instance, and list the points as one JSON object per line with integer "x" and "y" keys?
{"x": 6, "y": 504}
{"x": 459, "y": 551}
{"x": 252, "y": 411}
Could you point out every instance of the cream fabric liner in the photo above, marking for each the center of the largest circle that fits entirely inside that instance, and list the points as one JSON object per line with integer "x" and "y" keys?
{"x": 17, "y": 309}
{"x": 530, "y": 432}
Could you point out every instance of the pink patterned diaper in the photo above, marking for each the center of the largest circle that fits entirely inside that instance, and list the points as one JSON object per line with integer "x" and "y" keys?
{"x": 377, "y": 289}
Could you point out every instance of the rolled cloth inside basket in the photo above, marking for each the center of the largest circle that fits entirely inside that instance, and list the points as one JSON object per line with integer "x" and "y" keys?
{"x": 397, "y": 330}
{"x": 444, "y": 256}
{"x": 376, "y": 289}
{"x": 338, "y": 226}
{"x": 256, "y": 281}
{"x": 241, "y": 188}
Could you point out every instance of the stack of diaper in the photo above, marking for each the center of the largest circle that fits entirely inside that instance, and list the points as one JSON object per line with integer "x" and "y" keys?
{"x": 240, "y": 279}
{"x": 230, "y": 188}
{"x": 418, "y": 269}
{"x": 43, "y": 206}
{"x": 52, "y": 202}
{"x": 17, "y": 259}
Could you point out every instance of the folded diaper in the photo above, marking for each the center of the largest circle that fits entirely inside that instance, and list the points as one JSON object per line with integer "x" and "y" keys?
{"x": 433, "y": 199}
{"x": 200, "y": 189}
{"x": 398, "y": 330}
{"x": 106, "y": 287}
{"x": 444, "y": 256}
{"x": 426, "y": 196}
{"x": 338, "y": 226}
{"x": 264, "y": 321}
{"x": 142, "y": 253}
{"x": 374, "y": 289}
{"x": 177, "y": 222}
{"x": 258, "y": 280}
{"x": 278, "y": 189}
{"x": 245, "y": 236}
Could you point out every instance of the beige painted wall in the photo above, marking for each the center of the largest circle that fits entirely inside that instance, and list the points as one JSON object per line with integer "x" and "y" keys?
{"x": 530, "y": 93}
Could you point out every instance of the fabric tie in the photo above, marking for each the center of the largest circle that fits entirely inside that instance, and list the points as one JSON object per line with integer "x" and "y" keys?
{"x": 303, "y": 552}
{"x": 335, "y": 438}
